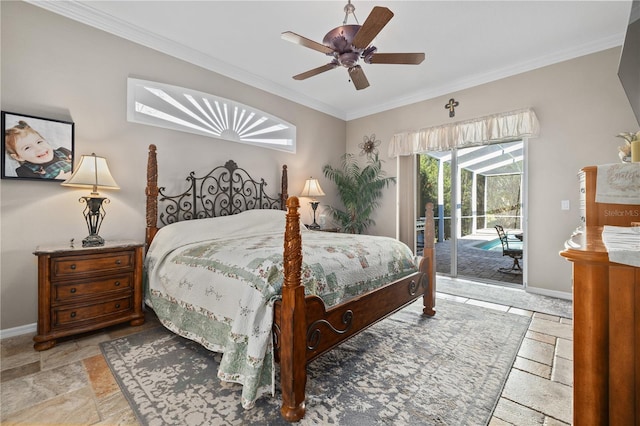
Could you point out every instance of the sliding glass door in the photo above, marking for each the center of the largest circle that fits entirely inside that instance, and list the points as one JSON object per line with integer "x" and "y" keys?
{"x": 473, "y": 189}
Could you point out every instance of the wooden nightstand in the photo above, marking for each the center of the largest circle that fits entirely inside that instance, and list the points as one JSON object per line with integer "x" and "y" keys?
{"x": 86, "y": 288}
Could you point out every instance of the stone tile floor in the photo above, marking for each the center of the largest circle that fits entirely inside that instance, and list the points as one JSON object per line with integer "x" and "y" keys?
{"x": 539, "y": 388}
{"x": 474, "y": 263}
{"x": 72, "y": 384}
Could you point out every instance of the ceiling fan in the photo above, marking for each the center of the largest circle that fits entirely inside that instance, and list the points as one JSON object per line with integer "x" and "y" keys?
{"x": 349, "y": 43}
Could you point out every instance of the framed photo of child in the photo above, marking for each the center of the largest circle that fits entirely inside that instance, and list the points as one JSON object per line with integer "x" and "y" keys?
{"x": 36, "y": 148}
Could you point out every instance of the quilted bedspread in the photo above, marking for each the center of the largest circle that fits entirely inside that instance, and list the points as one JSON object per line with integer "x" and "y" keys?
{"x": 215, "y": 281}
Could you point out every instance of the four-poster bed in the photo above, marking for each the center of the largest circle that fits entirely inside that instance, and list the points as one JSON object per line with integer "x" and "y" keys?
{"x": 305, "y": 321}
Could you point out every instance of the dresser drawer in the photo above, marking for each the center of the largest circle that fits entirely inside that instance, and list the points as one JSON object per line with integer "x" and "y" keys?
{"x": 68, "y": 267}
{"x": 81, "y": 289}
{"x": 66, "y": 292}
{"x": 65, "y": 315}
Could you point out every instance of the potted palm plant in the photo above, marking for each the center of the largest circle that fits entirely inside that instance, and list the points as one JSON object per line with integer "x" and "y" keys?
{"x": 360, "y": 189}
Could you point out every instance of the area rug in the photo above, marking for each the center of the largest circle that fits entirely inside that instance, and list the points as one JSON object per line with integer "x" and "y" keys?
{"x": 507, "y": 296}
{"x": 406, "y": 370}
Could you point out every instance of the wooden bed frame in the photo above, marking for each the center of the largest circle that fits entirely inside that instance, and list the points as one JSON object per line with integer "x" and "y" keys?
{"x": 303, "y": 327}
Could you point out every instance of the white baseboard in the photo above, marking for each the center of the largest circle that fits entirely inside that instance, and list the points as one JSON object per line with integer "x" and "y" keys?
{"x": 17, "y": 331}
{"x": 550, "y": 293}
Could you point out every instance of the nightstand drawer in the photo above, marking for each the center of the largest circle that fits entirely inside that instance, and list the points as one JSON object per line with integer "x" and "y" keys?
{"x": 66, "y": 267}
{"x": 97, "y": 288}
{"x": 81, "y": 289}
{"x": 68, "y": 315}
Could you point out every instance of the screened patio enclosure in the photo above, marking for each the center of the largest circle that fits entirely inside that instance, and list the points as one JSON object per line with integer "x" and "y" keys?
{"x": 487, "y": 185}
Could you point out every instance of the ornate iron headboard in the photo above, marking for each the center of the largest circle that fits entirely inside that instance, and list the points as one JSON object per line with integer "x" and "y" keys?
{"x": 225, "y": 190}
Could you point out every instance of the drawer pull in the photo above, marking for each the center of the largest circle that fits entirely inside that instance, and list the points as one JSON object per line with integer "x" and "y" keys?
{"x": 73, "y": 266}
{"x": 73, "y": 314}
{"x": 117, "y": 283}
{"x": 117, "y": 305}
{"x": 73, "y": 290}
{"x": 118, "y": 262}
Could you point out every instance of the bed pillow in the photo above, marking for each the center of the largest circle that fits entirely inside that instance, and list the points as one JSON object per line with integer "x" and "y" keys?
{"x": 250, "y": 222}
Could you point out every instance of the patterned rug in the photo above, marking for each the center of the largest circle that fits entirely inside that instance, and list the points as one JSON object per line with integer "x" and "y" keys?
{"x": 408, "y": 369}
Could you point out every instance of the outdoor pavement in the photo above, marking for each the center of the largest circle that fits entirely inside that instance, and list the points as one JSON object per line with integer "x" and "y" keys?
{"x": 475, "y": 263}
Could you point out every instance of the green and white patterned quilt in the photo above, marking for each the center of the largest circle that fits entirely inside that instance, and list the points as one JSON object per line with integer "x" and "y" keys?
{"x": 215, "y": 281}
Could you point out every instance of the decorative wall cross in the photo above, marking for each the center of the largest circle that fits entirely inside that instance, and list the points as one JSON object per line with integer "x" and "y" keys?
{"x": 451, "y": 106}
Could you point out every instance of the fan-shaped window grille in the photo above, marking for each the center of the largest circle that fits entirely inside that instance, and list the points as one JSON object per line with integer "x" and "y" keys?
{"x": 177, "y": 108}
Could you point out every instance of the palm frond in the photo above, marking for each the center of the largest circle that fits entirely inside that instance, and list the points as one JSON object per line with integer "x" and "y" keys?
{"x": 360, "y": 190}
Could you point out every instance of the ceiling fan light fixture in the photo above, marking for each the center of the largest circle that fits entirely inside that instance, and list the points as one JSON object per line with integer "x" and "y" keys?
{"x": 347, "y": 44}
{"x": 348, "y": 59}
{"x": 340, "y": 38}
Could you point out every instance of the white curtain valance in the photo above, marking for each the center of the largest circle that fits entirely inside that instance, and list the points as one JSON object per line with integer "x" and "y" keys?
{"x": 502, "y": 127}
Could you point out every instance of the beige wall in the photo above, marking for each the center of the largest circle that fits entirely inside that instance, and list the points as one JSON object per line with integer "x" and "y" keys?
{"x": 581, "y": 107}
{"x": 64, "y": 70}
{"x": 57, "y": 68}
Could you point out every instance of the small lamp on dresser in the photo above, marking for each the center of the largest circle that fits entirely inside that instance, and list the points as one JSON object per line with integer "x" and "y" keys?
{"x": 311, "y": 190}
{"x": 92, "y": 172}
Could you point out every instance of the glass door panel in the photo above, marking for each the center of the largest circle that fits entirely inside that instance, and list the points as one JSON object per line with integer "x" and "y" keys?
{"x": 473, "y": 189}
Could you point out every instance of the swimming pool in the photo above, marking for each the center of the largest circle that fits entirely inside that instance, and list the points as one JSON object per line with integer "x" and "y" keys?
{"x": 495, "y": 245}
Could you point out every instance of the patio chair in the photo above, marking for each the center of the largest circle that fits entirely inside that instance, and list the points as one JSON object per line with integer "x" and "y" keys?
{"x": 514, "y": 253}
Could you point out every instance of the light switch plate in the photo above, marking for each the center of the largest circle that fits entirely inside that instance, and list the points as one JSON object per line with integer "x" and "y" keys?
{"x": 564, "y": 205}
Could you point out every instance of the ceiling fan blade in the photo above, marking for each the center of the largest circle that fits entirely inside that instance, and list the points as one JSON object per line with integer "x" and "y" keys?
{"x": 357, "y": 76}
{"x": 396, "y": 58}
{"x": 315, "y": 71}
{"x": 377, "y": 19}
{"x": 303, "y": 41}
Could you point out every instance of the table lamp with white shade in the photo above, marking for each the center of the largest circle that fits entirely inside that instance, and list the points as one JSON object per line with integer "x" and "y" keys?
{"x": 92, "y": 172}
{"x": 311, "y": 190}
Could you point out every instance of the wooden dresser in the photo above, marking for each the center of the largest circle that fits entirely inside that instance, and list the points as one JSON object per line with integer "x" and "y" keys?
{"x": 606, "y": 334}
{"x": 83, "y": 289}
{"x": 600, "y": 214}
{"x": 606, "y": 317}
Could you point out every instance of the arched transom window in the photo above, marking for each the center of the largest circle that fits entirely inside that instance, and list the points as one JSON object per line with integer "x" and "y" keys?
{"x": 178, "y": 108}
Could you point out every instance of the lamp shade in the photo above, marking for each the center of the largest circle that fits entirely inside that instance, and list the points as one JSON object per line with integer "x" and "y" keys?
{"x": 92, "y": 172}
{"x": 311, "y": 189}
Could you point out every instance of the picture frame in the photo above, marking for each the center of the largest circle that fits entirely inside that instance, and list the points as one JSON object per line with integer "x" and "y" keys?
{"x": 36, "y": 148}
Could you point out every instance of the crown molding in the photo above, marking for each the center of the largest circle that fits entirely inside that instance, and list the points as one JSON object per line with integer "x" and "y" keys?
{"x": 495, "y": 75}
{"x": 84, "y": 13}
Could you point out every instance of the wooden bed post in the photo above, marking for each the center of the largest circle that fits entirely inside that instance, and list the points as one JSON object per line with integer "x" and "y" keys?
{"x": 429, "y": 255}
{"x": 293, "y": 369}
{"x": 152, "y": 196}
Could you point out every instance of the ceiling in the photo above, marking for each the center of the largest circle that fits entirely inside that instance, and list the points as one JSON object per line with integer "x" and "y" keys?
{"x": 488, "y": 160}
{"x": 466, "y": 43}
